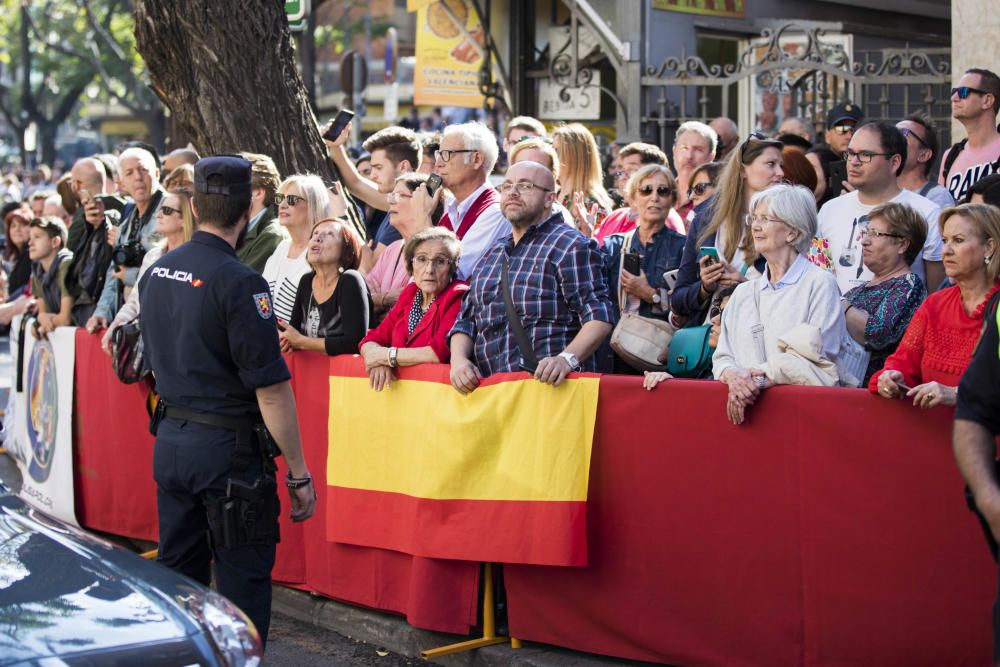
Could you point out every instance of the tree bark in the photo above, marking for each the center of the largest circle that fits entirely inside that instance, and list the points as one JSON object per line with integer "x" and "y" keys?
{"x": 226, "y": 71}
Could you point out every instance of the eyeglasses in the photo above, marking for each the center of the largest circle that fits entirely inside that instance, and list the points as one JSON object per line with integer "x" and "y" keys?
{"x": 444, "y": 155}
{"x": 864, "y": 157}
{"x": 875, "y": 234}
{"x": 843, "y": 129}
{"x": 522, "y": 187}
{"x": 757, "y": 136}
{"x": 529, "y": 137}
{"x": 963, "y": 91}
{"x": 169, "y": 210}
{"x": 661, "y": 190}
{"x": 435, "y": 262}
{"x": 714, "y": 311}
{"x": 750, "y": 219}
{"x": 293, "y": 200}
{"x": 394, "y": 197}
{"x": 699, "y": 190}
{"x": 907, "y": 132}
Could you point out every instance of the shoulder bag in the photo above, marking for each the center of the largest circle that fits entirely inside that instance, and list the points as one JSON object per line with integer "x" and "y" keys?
{"x": 639, "y": 341}
{"x": 689, "y": 354}
{"x": 127, "y": 358}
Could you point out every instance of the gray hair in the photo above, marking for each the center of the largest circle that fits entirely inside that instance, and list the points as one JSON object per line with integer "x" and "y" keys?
{"x": 804, "y": 127}
{"x": 795, "y": 205}
{"x": 314, "y": 191}
{"x": 707, "y": 133}
{"x": 144, "y": 157}
{"x": 477, "y": 137}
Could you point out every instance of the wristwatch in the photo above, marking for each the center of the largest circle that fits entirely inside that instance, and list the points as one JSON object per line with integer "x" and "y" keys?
{"x": 571, "y": 359}
{"x": 656, "y": 297}
{"x": 393, "y": 351}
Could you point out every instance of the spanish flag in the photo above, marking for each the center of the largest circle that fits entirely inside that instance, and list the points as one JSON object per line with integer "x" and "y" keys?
{"x": 499, "y": 475}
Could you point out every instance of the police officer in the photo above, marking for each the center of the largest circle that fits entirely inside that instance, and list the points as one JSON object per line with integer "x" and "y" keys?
{"x": 211, "y": 341}
{"x": 977, "y": 422}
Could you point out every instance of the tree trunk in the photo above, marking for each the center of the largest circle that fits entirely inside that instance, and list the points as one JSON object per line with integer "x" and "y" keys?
{"x": 226, "y": 71}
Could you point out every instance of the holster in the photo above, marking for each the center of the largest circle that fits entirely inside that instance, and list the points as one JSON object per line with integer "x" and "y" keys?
{"x": 246, "y": 516}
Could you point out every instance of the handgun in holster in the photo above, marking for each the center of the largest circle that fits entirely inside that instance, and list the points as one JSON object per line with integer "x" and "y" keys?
{"x": 247, "y": 515}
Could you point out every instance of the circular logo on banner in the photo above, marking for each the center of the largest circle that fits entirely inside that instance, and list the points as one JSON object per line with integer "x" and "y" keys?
{"x": 43, "y": 409}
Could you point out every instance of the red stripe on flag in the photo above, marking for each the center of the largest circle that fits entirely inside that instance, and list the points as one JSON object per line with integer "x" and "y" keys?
{"x": 518, "y": 531}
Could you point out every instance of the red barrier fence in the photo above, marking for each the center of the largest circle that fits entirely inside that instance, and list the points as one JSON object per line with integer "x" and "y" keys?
{"x": 829, "y": 529}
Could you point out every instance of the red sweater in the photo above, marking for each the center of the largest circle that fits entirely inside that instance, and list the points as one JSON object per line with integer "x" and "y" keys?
{"x": 939, "y": 341}
{"x": 433, "y": 328}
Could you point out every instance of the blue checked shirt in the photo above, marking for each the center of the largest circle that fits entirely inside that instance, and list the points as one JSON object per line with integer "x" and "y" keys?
{"x": 557, "y": 284}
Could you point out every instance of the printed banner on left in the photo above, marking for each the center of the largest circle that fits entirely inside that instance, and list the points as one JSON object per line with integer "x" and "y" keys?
{"x": 38, "y": 425}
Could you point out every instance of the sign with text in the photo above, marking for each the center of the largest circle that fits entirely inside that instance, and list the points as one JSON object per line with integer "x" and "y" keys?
{"x": 574, "y": 104}
{"x": 729, "y": 8}
{"x": 449, "y": 53}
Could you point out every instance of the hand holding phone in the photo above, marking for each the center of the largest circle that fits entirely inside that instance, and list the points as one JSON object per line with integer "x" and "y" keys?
{"x": 670, "y": 278}
{"x": 710, "y": 252}
{"x": 633, "y": 263}
{"x": 433, "y": 183}
{"x": 338, "y": 125}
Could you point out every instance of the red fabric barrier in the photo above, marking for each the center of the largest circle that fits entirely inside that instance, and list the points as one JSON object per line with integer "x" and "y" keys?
{"x": 829, "y": 529}
{"x": 114, "y": 486}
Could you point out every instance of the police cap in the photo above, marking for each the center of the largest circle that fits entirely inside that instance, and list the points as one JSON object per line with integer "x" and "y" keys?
{"x": 847, "y": 111}
{"x": 223, "y": 175}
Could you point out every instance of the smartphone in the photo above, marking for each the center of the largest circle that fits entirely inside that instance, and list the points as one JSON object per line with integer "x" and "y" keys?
{"x": 633, "y": 263}
{"x": 903, "y": 388}
{"x": 340, "y": 121}
{"x": 433, "y": 183}
{"x": 670, "y": 278}
{"x": 838, "y": 174}
{"x": 710, "y": 252}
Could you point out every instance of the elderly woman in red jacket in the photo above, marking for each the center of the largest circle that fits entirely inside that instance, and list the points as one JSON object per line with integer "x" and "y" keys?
{"x": 415, "y": 330}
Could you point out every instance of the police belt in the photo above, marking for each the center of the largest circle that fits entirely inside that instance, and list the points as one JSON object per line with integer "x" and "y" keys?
{"x": 251, "y": 434}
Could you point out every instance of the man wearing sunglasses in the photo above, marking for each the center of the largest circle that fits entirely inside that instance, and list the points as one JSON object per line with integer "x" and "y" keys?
{"x": 975, "y": 102}
{"x": 840, "y": 124}
{"x": 922, "y": 149}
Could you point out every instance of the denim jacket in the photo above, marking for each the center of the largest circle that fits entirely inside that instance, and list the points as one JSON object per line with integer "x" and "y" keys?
{"x": 661, "y": 254}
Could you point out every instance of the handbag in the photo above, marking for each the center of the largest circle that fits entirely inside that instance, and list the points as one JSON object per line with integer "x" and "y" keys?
{"x": 689, "y": 354}
{"x": 639, "y": 341}
{"x": 127, "y": 359}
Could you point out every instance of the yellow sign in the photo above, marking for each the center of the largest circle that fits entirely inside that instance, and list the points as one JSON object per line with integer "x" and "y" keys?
{"x": 729, "y": 8}
{"x": 450, "y": 49}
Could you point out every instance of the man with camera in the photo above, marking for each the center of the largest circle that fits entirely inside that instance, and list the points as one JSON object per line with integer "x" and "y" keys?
{"x": 139, "y": 178}
{"x": 226, "y": 407}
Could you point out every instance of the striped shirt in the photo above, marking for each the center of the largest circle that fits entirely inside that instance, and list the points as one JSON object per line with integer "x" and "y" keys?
{"x": 283, "y": 274}
{"x": 557, "y": 284}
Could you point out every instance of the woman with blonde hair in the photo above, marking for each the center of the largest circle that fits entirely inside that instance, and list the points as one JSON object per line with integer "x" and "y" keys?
{"x": 753, "y": 166}
{"x": 580, "y": 176}
{"x": 175, "y": 224}
{"x": 301, "y": 200}
{"x": 942, "y": 335}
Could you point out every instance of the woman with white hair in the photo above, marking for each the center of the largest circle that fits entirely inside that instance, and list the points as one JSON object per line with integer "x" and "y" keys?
{"x": 791, "y": 292}
{"x": 302, "y": 200}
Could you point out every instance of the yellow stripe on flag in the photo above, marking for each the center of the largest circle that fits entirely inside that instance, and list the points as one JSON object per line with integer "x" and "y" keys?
{"x": 517, "y": 440}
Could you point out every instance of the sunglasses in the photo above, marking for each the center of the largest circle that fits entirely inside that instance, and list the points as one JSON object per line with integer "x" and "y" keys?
{"x": 698, "y": 190}
{"x": 292, "y": 200}
{"x": 714, "y": 311}
{"x": 661, "y": 190}
{"x": 843, "y": 129}
{"x": 964, "y": 91}
{"x": 907, "y": 132}
{"x": 755, "y": 136}
{"x": 875, "y": 234}
{"x": 169, "y": 210}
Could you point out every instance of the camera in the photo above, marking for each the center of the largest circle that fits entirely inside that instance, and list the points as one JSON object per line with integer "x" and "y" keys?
{"x": 129, "y": 254}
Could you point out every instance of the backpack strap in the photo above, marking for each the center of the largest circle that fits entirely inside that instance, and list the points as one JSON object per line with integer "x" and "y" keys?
{"x": 953, "y": 154}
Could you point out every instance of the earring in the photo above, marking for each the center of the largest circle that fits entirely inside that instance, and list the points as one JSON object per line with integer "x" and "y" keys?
{"x": 989, "y": 259}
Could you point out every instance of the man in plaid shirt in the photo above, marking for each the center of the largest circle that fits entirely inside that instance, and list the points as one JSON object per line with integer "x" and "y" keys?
{"x": 557, "y": 286}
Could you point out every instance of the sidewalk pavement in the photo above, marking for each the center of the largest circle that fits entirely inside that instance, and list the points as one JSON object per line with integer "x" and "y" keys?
{"x": 395, "y": 634}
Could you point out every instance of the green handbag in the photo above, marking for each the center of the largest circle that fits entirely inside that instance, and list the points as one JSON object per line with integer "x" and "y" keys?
{"x": 689, "y": 355}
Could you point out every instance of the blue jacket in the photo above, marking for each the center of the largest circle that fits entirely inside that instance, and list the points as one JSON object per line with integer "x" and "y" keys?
{"x": 661, "y": 254}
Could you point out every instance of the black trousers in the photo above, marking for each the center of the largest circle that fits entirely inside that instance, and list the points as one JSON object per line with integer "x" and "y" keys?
{"x": 191, "y": 464}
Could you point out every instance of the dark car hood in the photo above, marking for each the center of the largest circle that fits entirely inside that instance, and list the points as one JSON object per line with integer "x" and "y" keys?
{"x": 64, "y": 592}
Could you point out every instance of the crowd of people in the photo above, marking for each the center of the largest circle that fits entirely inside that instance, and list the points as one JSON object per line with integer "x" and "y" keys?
{"x": 537, "y": 252}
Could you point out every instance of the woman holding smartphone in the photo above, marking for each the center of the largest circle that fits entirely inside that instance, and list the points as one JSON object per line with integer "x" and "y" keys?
{"x": 650, "y": 250}
{"x": 752, "y": 167}
{"x": 940, "y": 339}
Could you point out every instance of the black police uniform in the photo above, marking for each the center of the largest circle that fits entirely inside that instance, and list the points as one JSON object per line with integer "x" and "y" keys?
{"x": 211, "y": 340}
{"x": 979, "y": 402}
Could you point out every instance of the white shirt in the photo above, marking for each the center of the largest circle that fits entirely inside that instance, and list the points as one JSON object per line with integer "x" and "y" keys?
{"x": 488, "y": 229}
{"x": 283, "y": 274}
{"x": 841, "y": 220}
{"x": 805, "y": 294}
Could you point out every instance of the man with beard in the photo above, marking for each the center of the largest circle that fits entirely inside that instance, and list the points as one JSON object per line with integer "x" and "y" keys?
{"x": 557, "y": 290}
